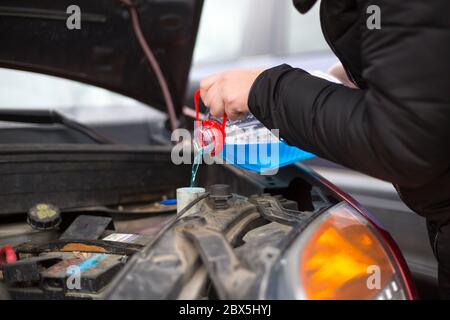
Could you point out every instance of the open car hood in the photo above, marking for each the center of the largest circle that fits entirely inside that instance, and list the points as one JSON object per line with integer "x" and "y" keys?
{"x": 105, "y": 51}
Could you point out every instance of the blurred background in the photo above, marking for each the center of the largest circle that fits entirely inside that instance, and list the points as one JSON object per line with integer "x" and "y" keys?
{"x": 233, "y": 34}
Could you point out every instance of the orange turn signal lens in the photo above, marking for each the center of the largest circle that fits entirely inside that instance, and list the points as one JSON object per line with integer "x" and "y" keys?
{"x": 342, "y": 258}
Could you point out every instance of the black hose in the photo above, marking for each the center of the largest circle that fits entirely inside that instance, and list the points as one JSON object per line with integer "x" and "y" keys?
{"x": 94, "y": 135}
{"x": 153, "y": 63}
{"x": 175, "y": 220}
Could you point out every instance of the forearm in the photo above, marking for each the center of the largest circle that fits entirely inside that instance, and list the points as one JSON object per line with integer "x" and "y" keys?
{"x": 309, "y": 112}
{"x": 344, "y": 125}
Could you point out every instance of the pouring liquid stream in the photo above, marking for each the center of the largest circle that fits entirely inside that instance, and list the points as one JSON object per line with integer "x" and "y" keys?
{"x": 195, "y": 165}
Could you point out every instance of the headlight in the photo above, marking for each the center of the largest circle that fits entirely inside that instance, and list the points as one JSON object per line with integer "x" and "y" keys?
{"x": 342, "y": 255}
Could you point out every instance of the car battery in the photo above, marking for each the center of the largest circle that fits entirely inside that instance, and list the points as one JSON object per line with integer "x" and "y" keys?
{"x": 74, "y": 275}
{"x": 82, "y": 272}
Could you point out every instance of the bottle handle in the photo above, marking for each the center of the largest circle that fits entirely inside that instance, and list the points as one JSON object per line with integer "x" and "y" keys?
{"x": 197, "y": 113}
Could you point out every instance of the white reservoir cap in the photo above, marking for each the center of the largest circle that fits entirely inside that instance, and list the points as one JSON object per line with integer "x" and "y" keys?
{"x": 186, "y": 195}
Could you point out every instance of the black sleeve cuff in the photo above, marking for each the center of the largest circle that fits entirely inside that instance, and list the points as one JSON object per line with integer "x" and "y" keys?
{"x": 263, "y": 88}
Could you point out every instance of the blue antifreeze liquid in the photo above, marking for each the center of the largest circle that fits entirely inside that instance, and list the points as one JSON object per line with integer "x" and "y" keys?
{"x": 263, "y": 157}
{"x": 195, "y": 165}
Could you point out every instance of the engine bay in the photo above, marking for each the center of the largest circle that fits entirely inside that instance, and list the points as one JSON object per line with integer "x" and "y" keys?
{"x": 84, "y": 253}
{"x": 101, "y": 223}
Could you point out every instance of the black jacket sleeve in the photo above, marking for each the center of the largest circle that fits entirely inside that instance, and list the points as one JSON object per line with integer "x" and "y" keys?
{"x": 399, "y": 128}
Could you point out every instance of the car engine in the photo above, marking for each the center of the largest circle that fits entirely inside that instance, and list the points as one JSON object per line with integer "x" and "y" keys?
{"x": 221, "y": 249}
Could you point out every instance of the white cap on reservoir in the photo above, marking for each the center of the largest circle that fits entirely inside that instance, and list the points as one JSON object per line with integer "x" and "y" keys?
{"x": 186, "y": 195}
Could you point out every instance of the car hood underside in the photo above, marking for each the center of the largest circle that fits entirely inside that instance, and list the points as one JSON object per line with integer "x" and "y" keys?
{"x": 38, "y": 36}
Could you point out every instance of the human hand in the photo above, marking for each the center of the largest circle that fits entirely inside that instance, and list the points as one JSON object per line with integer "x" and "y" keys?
{"x": 228, "y": 92}
{"x": 338, "y": 71}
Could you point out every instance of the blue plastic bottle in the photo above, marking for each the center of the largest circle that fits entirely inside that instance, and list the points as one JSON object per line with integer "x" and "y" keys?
{"x": 247, "y": 144}
{"x": 251, "y": 146}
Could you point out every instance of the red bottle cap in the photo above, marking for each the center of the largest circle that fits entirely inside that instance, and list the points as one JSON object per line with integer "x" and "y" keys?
{"x": 215, "y": 130}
